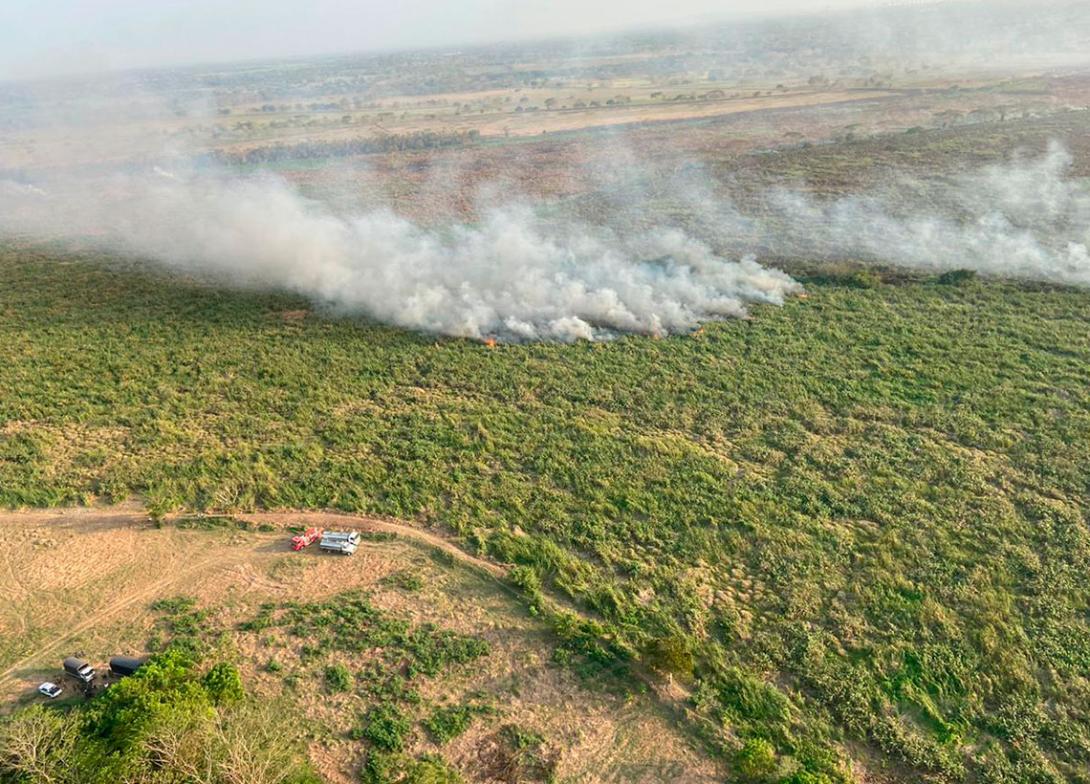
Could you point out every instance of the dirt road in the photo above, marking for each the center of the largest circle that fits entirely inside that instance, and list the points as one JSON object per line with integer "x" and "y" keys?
{"x": 373, "y": 525}
{"x": 41, "y": 581}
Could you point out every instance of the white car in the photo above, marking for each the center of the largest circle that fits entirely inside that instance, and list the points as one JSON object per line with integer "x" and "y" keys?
{"x": 50, "y": 690}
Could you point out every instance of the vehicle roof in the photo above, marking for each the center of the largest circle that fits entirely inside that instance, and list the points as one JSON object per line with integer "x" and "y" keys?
{"x": 126, "y": 660}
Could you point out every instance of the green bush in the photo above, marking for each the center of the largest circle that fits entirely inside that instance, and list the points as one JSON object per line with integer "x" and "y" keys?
{"x": 404, "y": 579}
{"x": 671, "y": 655}
{"x": 862, "y": 279}
{"x": 386, "y": 727}
{"x": 433, "y": 770}
{"x": 806, "y": 777}
{"x": 380, "y": 768}
{"x": 756, "y": 760}
{"x": 957, "y": 277}
{"x": 448, "y": 722}
{"x": 223, "y": 683}
{"x": 338, "y": 678}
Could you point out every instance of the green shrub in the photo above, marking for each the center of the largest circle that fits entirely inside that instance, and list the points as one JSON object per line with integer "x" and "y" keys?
{"x": 957, "y": 277}
{"x": 862, "y": 279}
{"x": 530, "y": 758}
{"x": 432, "y": 770}
{"x": 386, "y": 727}
{"x": 806, "y": 777}
{"x": 756, "y": 760}
{"x": 224, "y": 683}
{"x": 383, "y": 767}
{"x": 404, "y": 579}
{"x": 338, "y": 678}
{"x": 671, "y": 655}
{"x": 448, "y": 722}
{"x": 525, "y": 578}
{"x": 380, "y": 768}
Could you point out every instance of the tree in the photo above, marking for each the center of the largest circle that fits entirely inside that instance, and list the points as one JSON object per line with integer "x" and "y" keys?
{"x": 756, "y": 761}
{"x": 180, "y": 741}
{"x": 39, "y": 744}
{"x": 223, "y": 684}
{"x": 253, "y": 745}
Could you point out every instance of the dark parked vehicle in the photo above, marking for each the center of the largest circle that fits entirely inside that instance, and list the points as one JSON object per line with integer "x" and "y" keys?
{"x": 124, "y": 665}
{"x": 79, "y": 669}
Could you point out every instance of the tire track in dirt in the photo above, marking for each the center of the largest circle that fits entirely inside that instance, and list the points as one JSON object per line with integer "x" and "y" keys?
{"x": 109, "y": 612}
{"x": 670, "y": 696}
{"x": 375, "y": 525}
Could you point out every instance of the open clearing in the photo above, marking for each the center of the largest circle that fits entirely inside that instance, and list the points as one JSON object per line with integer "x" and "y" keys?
{"x": 83, "y": 580}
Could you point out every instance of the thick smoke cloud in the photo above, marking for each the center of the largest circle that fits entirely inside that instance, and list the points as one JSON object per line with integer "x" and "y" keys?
{"x": 514, "y": 275}
{"x": 518, "y": 274}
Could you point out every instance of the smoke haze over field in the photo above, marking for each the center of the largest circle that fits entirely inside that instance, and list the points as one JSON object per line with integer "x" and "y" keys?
{"x": 1026, "y": 219}
{"x": 129, "y": 168}
{"x": 514, "y": 275}
{"x": 519, "y": 276}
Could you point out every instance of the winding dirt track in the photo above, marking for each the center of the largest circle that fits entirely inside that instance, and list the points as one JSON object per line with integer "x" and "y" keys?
{"x": 131, "y": 515}
{"x": 372, "y": 525}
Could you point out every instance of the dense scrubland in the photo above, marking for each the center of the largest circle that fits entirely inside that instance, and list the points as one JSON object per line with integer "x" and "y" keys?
{"x": 852, "y": 528}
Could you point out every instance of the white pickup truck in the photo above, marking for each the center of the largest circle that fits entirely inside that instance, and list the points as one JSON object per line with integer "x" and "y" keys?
{"x": 343, "y": 542}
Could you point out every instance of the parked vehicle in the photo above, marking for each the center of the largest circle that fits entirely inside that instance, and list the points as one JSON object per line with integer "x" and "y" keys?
{"x": 79, "y": 669}
{"x": 344, "y": 542}
{"x": 125, "y": 665}
{"x": 50, "y": 690}
{"x": 306, "y": 539}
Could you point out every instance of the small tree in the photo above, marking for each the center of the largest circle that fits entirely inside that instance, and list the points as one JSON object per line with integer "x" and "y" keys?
{"x": 223, "y": 684}
{"x": 756, "y": 761}
{"x": 37, "y": 745}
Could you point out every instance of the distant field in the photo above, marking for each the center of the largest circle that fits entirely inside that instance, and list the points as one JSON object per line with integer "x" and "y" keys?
{"x": 790, "y": 111}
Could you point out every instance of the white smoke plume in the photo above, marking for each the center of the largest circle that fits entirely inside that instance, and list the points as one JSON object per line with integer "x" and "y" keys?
{"x": 517, "y": 275}
{"x": 513, "y": 275}
{"x": 1027, "y": 219}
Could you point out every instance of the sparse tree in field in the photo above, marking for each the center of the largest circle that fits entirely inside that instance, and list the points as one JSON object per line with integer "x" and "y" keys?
{"x": 181, "y": 742}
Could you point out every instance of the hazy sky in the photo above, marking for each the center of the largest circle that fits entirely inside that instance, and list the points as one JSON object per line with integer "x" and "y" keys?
{"x": 43, "y": 37}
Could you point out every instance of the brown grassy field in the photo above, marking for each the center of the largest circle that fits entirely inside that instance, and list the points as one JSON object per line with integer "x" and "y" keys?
{"x": 83, "y": 581}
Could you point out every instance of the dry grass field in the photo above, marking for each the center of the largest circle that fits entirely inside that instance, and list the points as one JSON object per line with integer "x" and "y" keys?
{"x": 84, "y": 580}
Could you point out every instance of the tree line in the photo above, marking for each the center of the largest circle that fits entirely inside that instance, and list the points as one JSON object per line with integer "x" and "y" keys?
{"x": 341, "y": 148}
